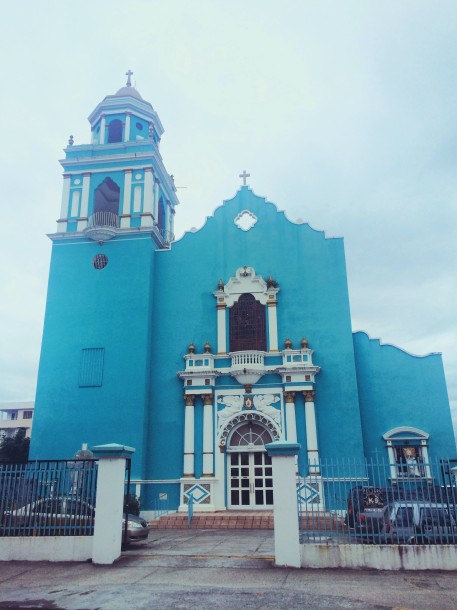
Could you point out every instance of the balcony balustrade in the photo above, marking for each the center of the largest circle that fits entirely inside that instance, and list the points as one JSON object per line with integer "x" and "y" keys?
{"x": 102, "y": 226}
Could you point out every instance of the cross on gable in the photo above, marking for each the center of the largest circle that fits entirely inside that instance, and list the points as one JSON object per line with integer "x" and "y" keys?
{"x": 244, "y": 175}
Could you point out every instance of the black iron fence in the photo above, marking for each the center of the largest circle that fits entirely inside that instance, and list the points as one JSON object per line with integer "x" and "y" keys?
{"x": 374, "y": 501}
{"x": 48, "y": 498}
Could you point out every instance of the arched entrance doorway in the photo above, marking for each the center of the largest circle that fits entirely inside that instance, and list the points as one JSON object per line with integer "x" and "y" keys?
{"x": 249, "y": 470}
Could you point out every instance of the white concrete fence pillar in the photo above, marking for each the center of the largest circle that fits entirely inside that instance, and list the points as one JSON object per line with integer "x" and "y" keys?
{"x": 109, "y": 505}
{"x": 286, "y": 534}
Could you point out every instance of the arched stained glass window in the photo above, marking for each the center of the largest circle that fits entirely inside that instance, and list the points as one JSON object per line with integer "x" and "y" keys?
{"x": 247, "y": 325}
{"x": 249, "y": 435}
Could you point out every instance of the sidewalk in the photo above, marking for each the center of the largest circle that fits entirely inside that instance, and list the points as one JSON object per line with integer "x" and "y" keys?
{"x": 214, "y": 569}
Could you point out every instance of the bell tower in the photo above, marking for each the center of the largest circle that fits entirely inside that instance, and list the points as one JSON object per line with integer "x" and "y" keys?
{"x": 118, "y": 184}
{"x": 117, "y": 210}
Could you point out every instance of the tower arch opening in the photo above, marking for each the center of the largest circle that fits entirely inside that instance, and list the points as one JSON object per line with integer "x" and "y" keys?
{"x": 115, "y": 131}
{"x": 106, "y": 197}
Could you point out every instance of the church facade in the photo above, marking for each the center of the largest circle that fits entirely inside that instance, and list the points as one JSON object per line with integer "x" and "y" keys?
{"x": 198, "y": 352}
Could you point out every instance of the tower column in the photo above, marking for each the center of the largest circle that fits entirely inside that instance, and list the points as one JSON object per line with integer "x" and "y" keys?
{"x": 148, "y": 198}
{"x": 208, "y": 452}
{"x": 127, "y": 127}
{"x": 102, "y": 129}
{"x": 189, "y": 446}
{"x": 155, "y": 208}
{"x": 64, "y": 204}
{"x": 82, "y": 223}
{"x": 65, "y": 198}
{"x": 311, "y": 432}
{"x": 125, "y": 218}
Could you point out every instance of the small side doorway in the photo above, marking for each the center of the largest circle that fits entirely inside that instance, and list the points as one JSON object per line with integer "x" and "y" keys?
{"x": 249, "y": 470}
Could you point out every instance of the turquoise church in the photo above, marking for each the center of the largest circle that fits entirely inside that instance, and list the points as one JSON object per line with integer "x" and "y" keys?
{"x": 198, "y": 352}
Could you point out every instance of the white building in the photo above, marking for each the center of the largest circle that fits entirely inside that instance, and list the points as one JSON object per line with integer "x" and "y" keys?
{"x": 15, "y": 415}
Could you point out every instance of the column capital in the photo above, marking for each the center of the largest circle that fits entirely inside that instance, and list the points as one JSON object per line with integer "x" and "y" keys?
{"x": 86, "y": 174}
{"x": 189, "y": 399}
{"x": 66, "y": 176}
{"x": 128, "y": 171}
{"x": 207, "y": 399}
{"x": 309, "y": 395}
{"x": 148, "y": 169}
{"x": 289, "y": 396}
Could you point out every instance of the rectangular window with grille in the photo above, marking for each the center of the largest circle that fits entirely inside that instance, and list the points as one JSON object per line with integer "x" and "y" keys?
{"x": 91, "y": 367}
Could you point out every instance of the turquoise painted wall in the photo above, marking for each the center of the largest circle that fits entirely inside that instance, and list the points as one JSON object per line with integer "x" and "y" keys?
{"x": 86, "y": 308}
{"x": 398, "y": 389}
{"x": 312, "y": 302}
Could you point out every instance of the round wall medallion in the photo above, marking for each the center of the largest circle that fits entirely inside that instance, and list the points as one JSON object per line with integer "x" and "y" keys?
{"x": 100, "y": 261}
{"x": 138, "y": 176}
{"x": 139, "y": 126}
{"x": 77, "y": 181}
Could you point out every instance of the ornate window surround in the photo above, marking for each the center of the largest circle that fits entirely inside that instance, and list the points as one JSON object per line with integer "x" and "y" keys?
{"x": 413, "y": 437}
{"x": 246, "y": 281}
{"x": 243, "y": 417}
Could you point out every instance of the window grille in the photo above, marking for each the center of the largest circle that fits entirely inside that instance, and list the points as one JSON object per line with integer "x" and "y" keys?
{"x": 247, "y": 325}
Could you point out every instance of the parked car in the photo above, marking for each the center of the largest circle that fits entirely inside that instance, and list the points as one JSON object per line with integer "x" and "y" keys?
{"x": 418, "y": 522}
{"x": 370, "y": 524}
{"x": 66, "y": 515}
{"x": 364, "y": 500}
{"x": 137, "y": 529}
{"x": 364, "y": 503}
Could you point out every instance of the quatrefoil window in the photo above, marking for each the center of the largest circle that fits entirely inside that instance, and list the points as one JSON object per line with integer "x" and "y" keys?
{"x": 245, "y": 220}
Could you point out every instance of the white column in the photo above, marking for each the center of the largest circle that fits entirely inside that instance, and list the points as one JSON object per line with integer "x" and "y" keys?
{"x": 291, "y": 422}
{"x": 155, "y": 209}
{"x": 148, "y": 198}
{"x": 82, "y": 223}
{"x": 286, "y": 535}
{"x": 311, "y": 432}
{"x": 189, "y": 449}
{"x": 272, "y": 326}
{"x": 125, "y": 222}
{"x": 102, "y": 129}
{"x": 127, "y": 127}
{"x": 392, "y": 461}
{"x": 221, "y": 329}
{"x": 65, "y": 196}
{"x": 107, "y": 540}
{"x": 208, "y": 454}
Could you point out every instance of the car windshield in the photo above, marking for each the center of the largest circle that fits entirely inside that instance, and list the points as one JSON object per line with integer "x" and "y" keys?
{"x": 404, "y": 515}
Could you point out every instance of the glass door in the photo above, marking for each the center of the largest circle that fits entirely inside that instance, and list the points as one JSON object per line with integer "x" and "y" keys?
{"x": 250, "y": 480}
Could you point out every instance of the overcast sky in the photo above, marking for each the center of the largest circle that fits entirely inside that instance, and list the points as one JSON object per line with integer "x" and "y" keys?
{"x": 344, "y": 113}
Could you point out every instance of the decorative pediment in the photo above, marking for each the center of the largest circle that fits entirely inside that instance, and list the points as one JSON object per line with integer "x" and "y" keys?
{"x": 405, "y": 433}
{"x": 245, "y": 281}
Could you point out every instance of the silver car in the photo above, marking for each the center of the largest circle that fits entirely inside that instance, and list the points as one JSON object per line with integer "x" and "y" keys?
{"x": 419, "y": 522}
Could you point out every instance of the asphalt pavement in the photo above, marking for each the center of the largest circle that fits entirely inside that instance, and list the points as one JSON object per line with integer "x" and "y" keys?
{"x": 214, "y": 569}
